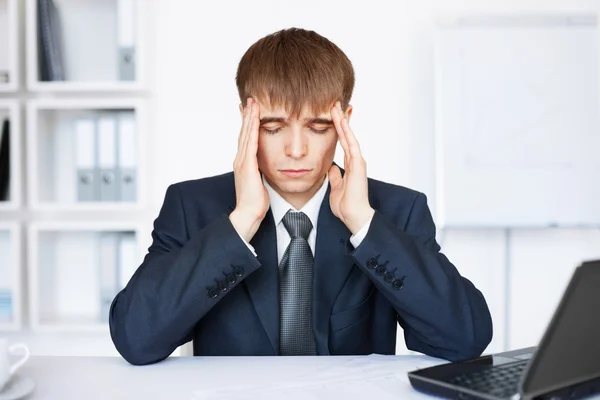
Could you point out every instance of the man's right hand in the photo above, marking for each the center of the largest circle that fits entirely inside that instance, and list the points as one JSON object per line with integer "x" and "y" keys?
{"x": 252, "y": 198}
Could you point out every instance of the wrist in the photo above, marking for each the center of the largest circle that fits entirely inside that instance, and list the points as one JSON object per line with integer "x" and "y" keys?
{"x": 244, "y": 223}
{"x": 355, "y": 223}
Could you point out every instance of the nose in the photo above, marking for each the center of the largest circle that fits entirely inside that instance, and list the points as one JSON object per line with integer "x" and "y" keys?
{"x": 296, "y": 144}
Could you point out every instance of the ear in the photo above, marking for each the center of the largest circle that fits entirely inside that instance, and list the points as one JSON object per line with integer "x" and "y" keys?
{"x": 348, "y": 112}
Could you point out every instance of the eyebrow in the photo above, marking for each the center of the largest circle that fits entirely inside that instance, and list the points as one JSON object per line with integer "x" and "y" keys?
{"x": 308, "y": 121}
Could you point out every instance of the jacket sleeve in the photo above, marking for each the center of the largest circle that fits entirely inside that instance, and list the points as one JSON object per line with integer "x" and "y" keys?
{"x": 180, "y": 279}
{"x": 443, "y": 314}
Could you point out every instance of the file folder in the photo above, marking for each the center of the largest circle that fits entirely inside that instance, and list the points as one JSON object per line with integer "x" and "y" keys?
{"x": 107, "y": 157}
{"x": 127, "y": 176}
{"x": 4, "y": 41}
{"x": 49, "y": 42}
{"x": 85, "y": 146}
{"x": 5, "y": 161}
{"x": 126, "y": 39}
{"x": 108, "y": 264}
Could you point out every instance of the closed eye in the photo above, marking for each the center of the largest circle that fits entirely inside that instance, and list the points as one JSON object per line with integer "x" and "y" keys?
{"x": 319, "y": 131}
{"x": 275, "y": 130}
{"x": 272, "y": 131}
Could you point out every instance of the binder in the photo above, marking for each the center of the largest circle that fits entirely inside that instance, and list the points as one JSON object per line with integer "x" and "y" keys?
{"x": 4, "y": 38}
{"x": 107, "y": 157}
{"x": 126, "y": 39}
{"x": 108, "y": 264}
{"x": 5, "y": 161}
{"x": 49, "y": 42}
{"x": 85, "y": 146}
{"x": 127, "y": 263}
{"x": 127, "y": 175}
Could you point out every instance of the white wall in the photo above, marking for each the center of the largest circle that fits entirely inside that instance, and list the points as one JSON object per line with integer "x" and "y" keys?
{"x": 195, "y": 48}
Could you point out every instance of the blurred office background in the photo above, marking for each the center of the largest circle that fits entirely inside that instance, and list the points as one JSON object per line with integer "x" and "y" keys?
{"x": 488, "y": 107}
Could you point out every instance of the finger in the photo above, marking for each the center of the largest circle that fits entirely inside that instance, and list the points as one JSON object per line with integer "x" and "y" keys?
{"x": 352, "y": 142}
{"x": 244, "y": 148}
{"x": 351, "y": 139}
{"x": 337, "y": 118}
{"x": 335, "y": 114}
{"x": 252, "y": 146}
{"x": 244, "y": 129}
{"x": 347, "y": 165}
{"x": 250, "y": 149}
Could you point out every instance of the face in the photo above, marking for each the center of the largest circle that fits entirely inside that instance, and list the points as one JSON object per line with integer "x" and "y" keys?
{"x": 295, "y": 153}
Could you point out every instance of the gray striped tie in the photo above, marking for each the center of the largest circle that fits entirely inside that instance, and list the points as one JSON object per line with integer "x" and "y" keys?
{"x": 295, "y": 289}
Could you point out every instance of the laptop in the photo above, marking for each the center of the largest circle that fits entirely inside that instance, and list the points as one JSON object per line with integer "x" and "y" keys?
{"x": 564, "y": 365}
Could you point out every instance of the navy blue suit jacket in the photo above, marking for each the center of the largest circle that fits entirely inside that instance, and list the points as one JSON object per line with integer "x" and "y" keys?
{"x": 200, "y": 282}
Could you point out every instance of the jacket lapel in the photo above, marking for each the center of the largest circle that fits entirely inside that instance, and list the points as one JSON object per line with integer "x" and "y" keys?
{"x": 263, "y": 284}
{"x": 332, "y": 267}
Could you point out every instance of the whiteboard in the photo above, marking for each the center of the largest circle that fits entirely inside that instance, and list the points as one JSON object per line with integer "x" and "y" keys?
{"x": 517, "y": 122}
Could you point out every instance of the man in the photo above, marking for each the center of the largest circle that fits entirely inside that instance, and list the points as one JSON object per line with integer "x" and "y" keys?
{"x": 289, "y": 254}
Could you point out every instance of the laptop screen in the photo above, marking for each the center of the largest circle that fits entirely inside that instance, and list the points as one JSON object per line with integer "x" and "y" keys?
{"x": 570, "y": 349}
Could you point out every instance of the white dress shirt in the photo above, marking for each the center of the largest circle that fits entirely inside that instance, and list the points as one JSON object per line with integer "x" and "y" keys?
{"x": 279, "y": 207}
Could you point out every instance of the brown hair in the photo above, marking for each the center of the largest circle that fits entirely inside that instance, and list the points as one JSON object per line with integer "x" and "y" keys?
{"x": 293, "y": 68}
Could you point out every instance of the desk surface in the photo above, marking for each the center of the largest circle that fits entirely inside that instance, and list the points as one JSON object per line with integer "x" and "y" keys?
{"x": 216, "y": 378}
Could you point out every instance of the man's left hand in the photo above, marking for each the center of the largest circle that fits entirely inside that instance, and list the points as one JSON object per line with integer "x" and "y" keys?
{"x": 349, "y": 198}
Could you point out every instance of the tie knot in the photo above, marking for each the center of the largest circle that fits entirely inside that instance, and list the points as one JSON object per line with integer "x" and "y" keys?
{"x": 297, "y": 224}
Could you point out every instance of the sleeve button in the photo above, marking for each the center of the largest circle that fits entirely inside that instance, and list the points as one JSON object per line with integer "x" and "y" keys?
{"x": 388, "y": 278}
{"x": 398, "y": 284}
{"x": 380, "y": 270}
{"x": 231, "y": 279}
{"x": 372, "y": 263}
{"x": 213, "y": 293}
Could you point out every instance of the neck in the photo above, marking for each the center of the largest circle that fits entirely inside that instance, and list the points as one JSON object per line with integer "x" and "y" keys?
{"x": 299, "y": 200}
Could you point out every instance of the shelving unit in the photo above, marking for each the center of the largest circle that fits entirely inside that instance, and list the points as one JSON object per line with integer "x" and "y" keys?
{"x": 10, "y": 277}
{"x": 90, "y": 45}
{"x": 86, "y": 154}
{"x": 9, "y": 110}
{"x": 77, "y": 251}
{"x": 75, "y": 270}
{"x": 9, "y": 28}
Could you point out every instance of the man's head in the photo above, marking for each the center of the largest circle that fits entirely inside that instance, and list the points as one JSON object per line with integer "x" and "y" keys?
{"x": 295, "y": 76}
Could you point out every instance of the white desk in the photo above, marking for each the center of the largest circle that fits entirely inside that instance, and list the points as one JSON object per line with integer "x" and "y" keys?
{"x": 199, "y": 378}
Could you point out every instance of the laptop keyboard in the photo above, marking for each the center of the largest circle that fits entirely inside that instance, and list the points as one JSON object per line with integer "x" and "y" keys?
{"x": 499, "y": 381}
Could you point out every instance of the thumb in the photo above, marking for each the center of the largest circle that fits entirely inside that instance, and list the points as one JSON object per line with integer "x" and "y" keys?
{"x": 335, "y": 176}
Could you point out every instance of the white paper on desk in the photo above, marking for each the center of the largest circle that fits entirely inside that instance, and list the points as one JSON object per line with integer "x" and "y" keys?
{"x": 375, "y": 375}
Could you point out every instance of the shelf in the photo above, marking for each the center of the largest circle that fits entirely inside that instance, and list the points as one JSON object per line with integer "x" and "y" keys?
{"x": 9, "y": 77}
{"x": 89, "y": 45}
{"x": 100, "y": 51}
{"x": 10, "y": 277}
{"x": 10, "y": 197}
{"x": 85, "y": 155}
{"x": 75, "y": 271}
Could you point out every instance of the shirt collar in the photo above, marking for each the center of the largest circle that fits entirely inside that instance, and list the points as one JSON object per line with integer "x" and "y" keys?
{"x": 279, "y": 206}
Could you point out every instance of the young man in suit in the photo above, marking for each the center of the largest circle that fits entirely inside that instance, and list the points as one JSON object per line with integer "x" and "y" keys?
{"x": 289, "y": 254}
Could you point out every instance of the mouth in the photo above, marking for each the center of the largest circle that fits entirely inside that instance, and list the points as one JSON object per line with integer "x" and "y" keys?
{"x": 294, "y": 173}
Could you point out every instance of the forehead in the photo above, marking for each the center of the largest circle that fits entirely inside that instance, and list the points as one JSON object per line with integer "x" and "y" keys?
{"x": 267, "y": 110}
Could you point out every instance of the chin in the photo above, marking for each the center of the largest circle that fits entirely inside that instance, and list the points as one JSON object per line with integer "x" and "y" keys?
{"x": 295, "y": 187}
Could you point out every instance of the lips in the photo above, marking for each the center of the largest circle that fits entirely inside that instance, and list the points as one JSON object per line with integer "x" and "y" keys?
{"x": 295, "y": 173}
